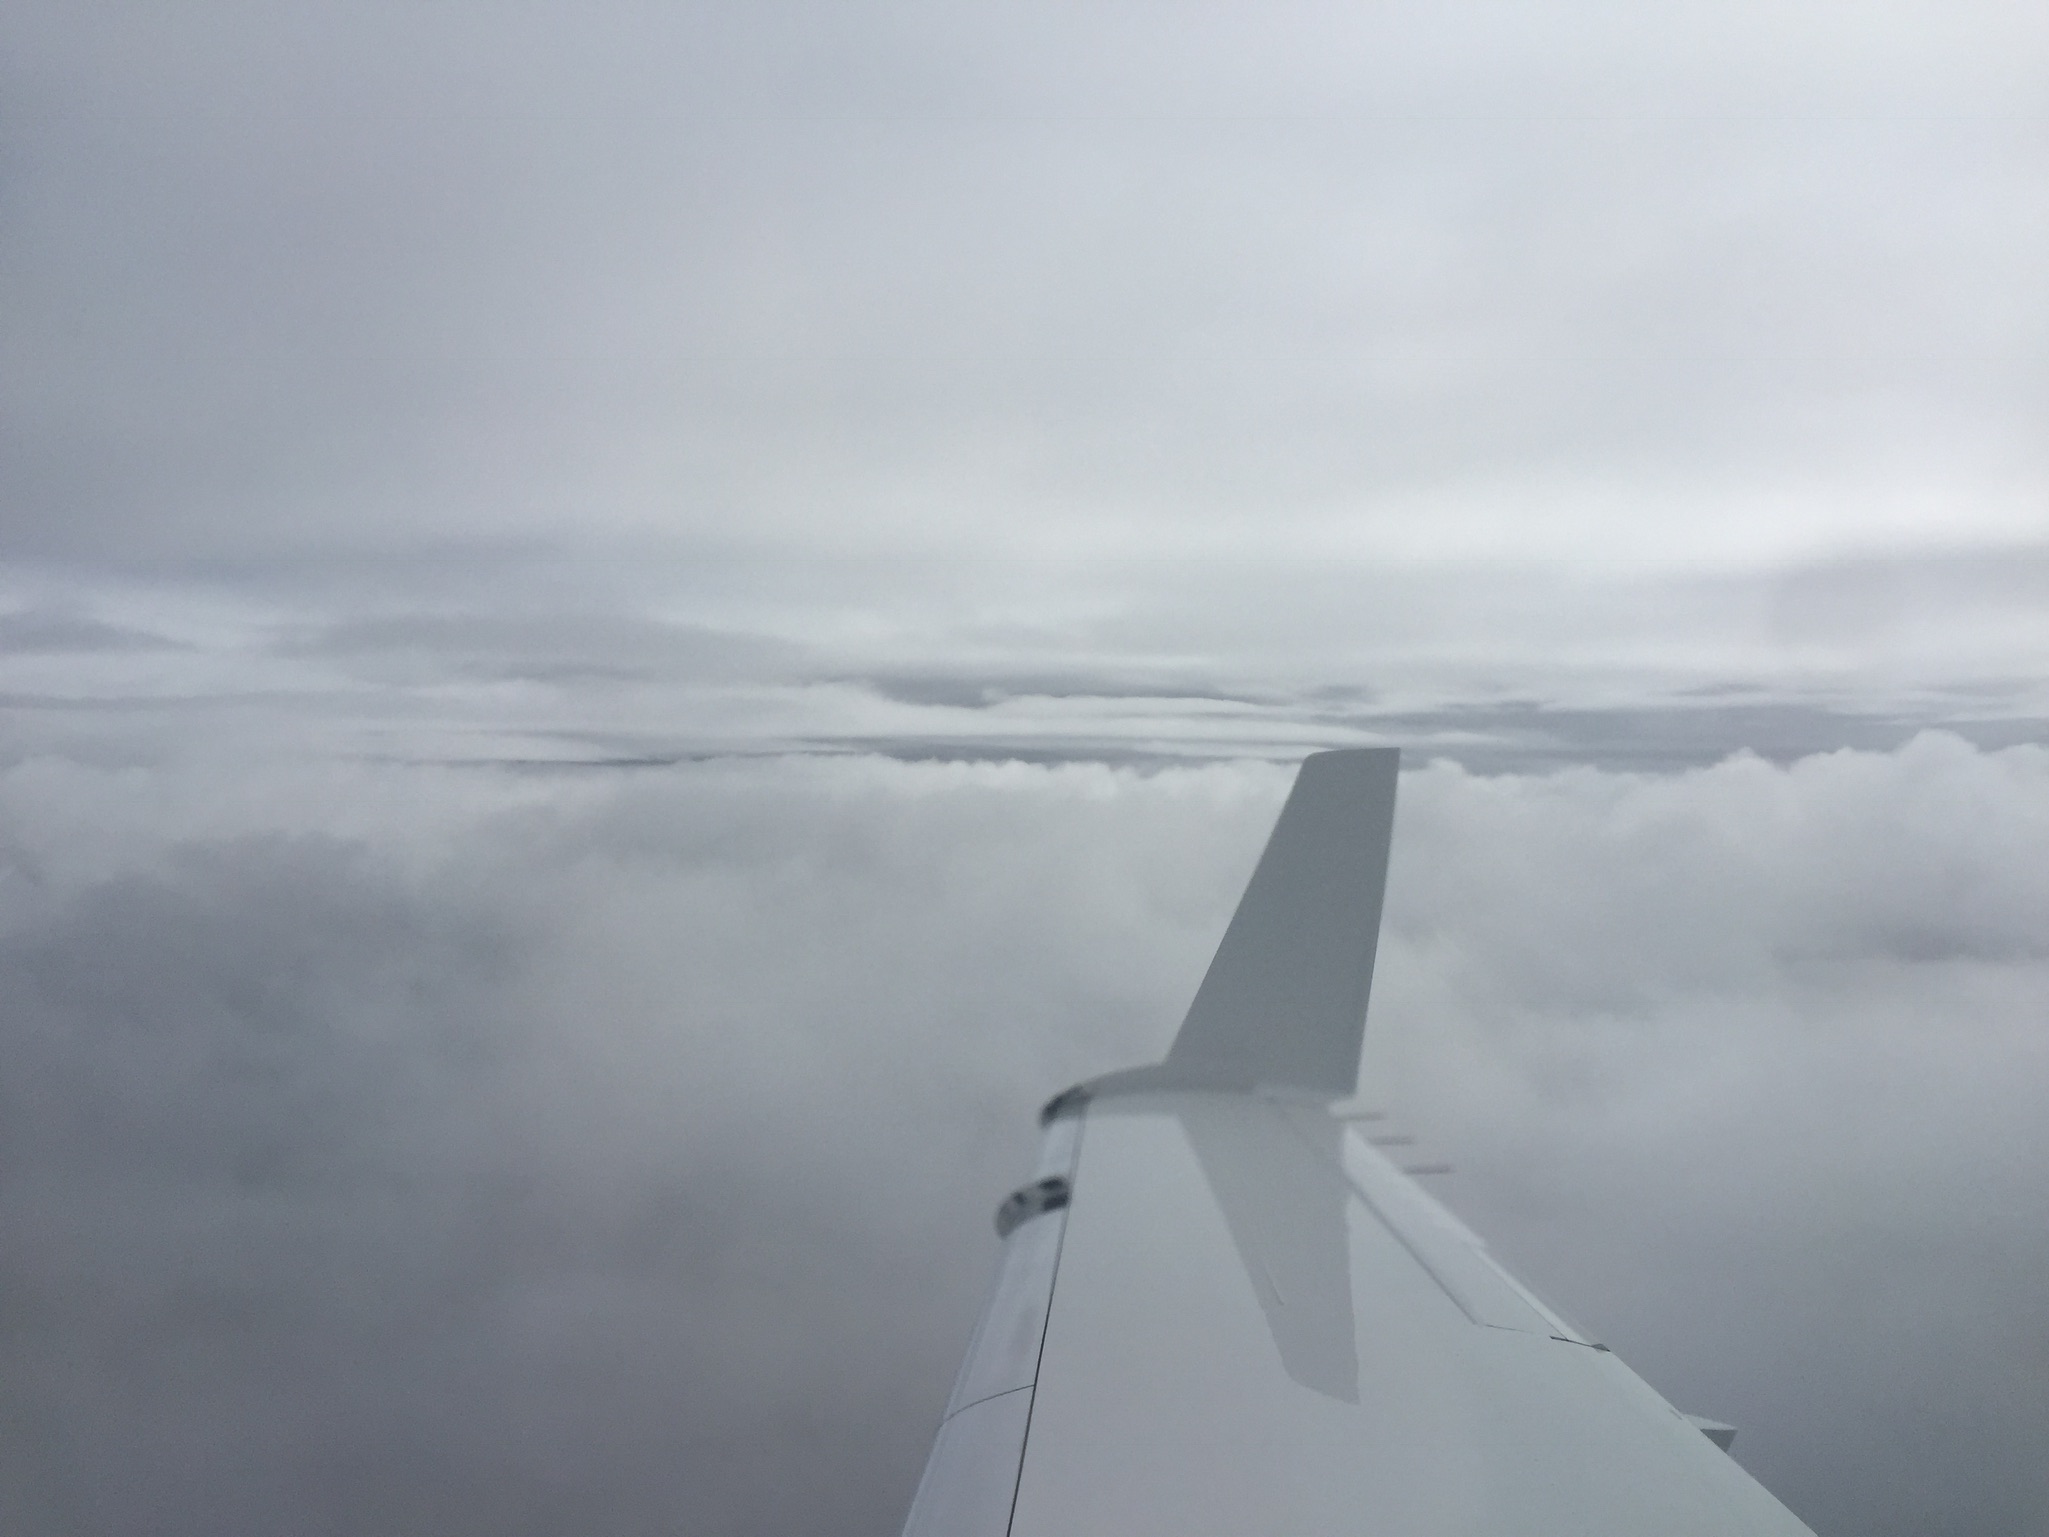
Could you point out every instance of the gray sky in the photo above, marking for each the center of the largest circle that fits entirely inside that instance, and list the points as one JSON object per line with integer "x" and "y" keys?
{"x": 1547, "y": 350}
{"x": 625, "y": 631}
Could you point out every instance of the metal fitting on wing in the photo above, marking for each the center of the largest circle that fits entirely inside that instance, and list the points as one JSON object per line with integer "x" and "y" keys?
{"x": 1066, "y": 1102}
{"x": 1029, "y": 1201}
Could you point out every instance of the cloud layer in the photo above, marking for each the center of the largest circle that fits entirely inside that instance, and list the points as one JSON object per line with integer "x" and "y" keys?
{"x": 415, "y": 1149}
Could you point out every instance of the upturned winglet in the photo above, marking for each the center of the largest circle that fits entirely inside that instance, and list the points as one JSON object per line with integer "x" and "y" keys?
{"x": 1283, "y": 1004}
{"x": 1284, "y": 1000}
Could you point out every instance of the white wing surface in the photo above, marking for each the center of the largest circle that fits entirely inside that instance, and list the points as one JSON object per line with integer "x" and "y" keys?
{"x": 1220, "y": 1309}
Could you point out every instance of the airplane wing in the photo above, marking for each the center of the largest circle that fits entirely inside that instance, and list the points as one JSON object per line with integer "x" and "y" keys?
{"x": 1221, "y": 1309}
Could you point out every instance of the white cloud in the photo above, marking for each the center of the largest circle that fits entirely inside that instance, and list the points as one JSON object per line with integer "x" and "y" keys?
{"x": 493, "y": 1152}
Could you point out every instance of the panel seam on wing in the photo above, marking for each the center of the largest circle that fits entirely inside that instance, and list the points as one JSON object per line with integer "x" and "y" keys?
{"x": 991, "y": 1398}
{"x": 1024, "y": 1449}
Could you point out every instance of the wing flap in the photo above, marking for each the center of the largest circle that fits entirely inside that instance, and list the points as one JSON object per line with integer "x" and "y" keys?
{"x": 1444, "y": 1246}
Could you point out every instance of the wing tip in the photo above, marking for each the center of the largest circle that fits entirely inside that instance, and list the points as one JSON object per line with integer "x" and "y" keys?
{"x": 1283, "y": 1004}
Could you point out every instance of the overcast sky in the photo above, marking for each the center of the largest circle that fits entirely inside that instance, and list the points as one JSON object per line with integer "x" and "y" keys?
{"x": 626, "y": 630}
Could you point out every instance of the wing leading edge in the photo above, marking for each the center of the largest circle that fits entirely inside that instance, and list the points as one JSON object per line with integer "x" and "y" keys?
{"x": 1219, "y": 1309}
